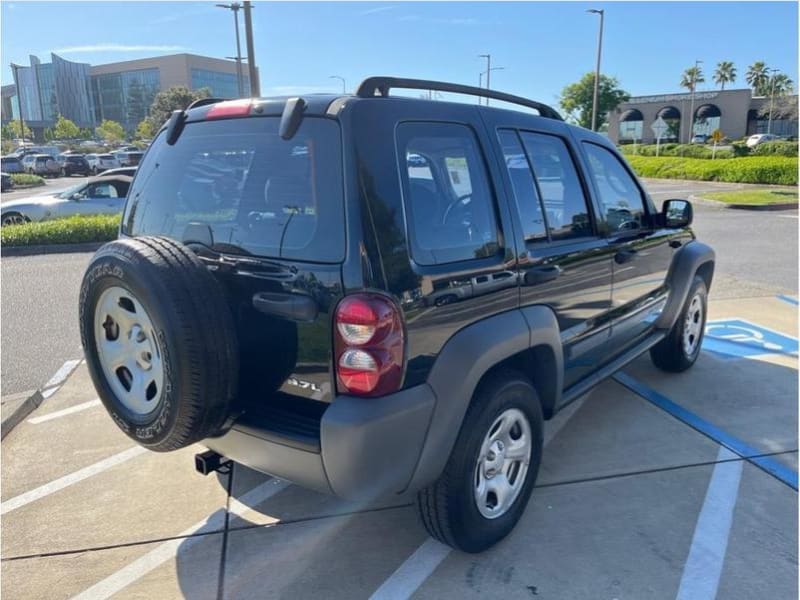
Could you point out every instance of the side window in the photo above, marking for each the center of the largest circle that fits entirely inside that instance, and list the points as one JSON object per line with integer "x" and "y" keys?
{"x": 102, "y": 190}
{"x": 562, "y": 194}
{"x": 525, "y": 194}
{"x": 620, "y": 197}
{"x": 446, "y": 193}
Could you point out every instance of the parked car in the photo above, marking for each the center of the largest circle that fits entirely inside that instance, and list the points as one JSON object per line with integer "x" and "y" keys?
{"x": 96, "y": 196}
{"x": 260, "y": 311}
{"x": 101, "y": 162}
{"x": 41, "y": 164}
{"x": 760, "y": 138}
{"x": 128, "y": 171}
{"x": 128, "y": 158}
{"x": 7, "y": 182}
{"x": 12, "y": 164}
{"x": 699, "y": 138}
{"x": 72, "y": 164}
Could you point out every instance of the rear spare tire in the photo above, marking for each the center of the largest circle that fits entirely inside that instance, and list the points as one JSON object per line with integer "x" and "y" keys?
{"x": 159, "y": 341}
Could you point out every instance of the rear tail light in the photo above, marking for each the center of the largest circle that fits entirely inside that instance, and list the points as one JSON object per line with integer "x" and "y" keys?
{"x": 230, "y": 108}
{"x": 368, "y": 345}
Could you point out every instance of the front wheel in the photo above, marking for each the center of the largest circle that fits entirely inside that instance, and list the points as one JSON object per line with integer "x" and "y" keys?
{"x": 680, "y": 349}
{"x": 489, "y": 476}
{"x": 13, "y": 219}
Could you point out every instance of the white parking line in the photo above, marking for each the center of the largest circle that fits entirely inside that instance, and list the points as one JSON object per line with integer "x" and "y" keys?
{"x": 68, "y": 480}
{"x": 168, "y": 550}
{"x": 707, "y": 554}
{"x": 62, "y": 373}
{"x": 67, "y": 411}
{"x": 419, "y": 566}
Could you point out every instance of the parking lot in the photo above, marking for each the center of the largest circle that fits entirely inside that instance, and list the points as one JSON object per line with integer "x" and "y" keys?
{"x": 652, "y": 486}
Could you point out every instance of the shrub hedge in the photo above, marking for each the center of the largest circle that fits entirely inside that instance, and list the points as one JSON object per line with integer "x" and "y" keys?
{"x": 776, "y": 149}
{"x": 71, "y": 230}
{"x": 682, "y": 150}
{"x": 26, "y": 179}
{"x": 778, "y": 170}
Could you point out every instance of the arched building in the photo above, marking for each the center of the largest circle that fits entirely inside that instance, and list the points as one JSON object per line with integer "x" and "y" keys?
{"x": 734, "y": 112}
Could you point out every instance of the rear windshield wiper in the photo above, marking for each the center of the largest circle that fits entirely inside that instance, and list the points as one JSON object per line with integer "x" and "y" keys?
{"x": 238, "y": 263}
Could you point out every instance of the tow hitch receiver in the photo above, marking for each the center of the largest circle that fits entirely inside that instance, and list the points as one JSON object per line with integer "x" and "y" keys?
{"x": 209, "y": 461}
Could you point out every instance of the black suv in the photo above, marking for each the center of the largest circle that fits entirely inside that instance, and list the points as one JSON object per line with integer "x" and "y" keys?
{"x": 371, "y": 295}
{"x": 72, "y": 164}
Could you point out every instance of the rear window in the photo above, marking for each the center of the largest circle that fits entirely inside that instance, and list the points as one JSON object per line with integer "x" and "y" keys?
{"x": 107, "y": 156}
{"x": 10, "y": 161}
{"x": 257, "y": 193}
{"x": 75, "y": 159}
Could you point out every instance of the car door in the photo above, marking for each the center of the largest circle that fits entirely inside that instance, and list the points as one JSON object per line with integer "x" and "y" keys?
{"x": 101, "y": 198}
{"x": 642, "y": 249}
{"x": 564, "y": 262}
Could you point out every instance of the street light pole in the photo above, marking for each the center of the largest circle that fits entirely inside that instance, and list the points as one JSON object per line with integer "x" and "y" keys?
{"x": 771, "y": 99}
{"x": 488, "y": 58}
{"x": 480, "y": 85}
{"x": 601, "y": 12}
{"x": 344, "y": 86}
{"x": 697, "y": 63}
{"x": 255, "y": 85}
{"x": 234, "y": 7}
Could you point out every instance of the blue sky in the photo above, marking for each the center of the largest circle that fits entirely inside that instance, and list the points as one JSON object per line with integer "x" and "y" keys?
{"x": 541, "y": 45}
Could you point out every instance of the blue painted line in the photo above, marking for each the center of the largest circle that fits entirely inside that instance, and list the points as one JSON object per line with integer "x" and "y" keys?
{"x": 766, "y": 463}
{"x": 788, "y": 299}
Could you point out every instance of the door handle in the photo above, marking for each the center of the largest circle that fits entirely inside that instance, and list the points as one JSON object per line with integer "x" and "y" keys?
{"x": 624, "y": 256}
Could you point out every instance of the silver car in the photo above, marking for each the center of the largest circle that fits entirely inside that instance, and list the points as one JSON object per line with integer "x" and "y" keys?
{"x": 97, "y": 196}
{"x": 101, "y": 162}
{"x": 41, "y": 164}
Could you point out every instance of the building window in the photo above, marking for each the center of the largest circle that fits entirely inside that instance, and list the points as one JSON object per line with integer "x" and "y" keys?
{"x": 672, "y": 117}
{"x": 220, "y": 84}
{"x": 631, "y": 125}
{"x": 706, "y": 120}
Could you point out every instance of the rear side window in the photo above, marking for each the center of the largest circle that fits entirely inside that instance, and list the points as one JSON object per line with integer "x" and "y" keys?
{"x": 448, "y": 201}
{"x": 257, "y": 193}
{"x": 559, "y": 185}
{"x": 620, "y": 197}
{"x": 525, "y": 193}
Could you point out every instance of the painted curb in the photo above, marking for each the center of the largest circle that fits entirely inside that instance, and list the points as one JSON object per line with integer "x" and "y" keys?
{"x": 49, "y": 249}
{"x": 19, "y": 414}
{"x": 717, "y": 204}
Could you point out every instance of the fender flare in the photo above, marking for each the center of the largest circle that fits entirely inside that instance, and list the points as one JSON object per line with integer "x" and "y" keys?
{"x": 694, "y": 257}
{"x": 467, "y": 357}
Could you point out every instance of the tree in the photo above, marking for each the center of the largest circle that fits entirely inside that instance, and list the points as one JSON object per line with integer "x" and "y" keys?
{"x": 145, "y": 131}
{"x": 691, "y": 77}
{"x": 758, "y": 78}
{"x": 781, "y": 84}
{"x": 783, "y": 107}
{"x": 65, "y": 129}
{"x": 111, "y": 131}
{"x": 576, "y": 99}
{"x": 16, "y": 129}
{"x": 724, "y": 73}
{"x": 174, "y": 98}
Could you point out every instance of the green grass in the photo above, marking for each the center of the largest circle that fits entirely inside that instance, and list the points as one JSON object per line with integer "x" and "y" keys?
{"x": 773, "y": 170}
{"x": 26, "y": 179}
{"x": 72, "y": 230}
{"x": 754, "y": 197}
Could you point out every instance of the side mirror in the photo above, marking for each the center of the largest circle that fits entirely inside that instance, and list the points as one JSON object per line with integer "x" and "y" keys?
{"x": 677, "y": 214}
{"x": 77, "y": 196}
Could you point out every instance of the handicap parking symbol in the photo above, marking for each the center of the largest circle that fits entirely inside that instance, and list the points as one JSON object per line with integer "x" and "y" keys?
{"x": 742, "y": 339}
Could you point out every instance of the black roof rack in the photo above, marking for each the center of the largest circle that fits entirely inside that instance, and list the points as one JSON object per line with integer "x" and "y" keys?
{"x": 204, "y": 101}
{"x": 380, "y": 86}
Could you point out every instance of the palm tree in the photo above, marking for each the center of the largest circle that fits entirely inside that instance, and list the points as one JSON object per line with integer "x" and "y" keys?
{"x": 725, "y": 73}
{"x": 758, "y": 78}
{"x": 691, "y": 77}
{"x": 781, "y": 85}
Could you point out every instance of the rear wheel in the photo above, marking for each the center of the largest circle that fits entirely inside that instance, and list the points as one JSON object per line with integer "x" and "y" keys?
{"x": 680, "y": 349}
{"x": 489, "y": 477}
{"x": 13, "y": 219}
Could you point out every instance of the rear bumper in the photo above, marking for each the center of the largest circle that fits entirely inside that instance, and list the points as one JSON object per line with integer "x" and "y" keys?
{"x": 369, "y": 447}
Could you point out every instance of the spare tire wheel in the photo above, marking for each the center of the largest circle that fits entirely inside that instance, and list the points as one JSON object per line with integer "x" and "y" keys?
{"x": 159, "y": 341}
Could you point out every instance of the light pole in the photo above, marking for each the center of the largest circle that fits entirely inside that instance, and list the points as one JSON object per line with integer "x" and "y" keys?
{"x": 255, "y": 84}
{"x": 697, "y": 64}
{"x": 344, "y": 86}
{"x": 771, "y": 97}
{"x": 601, "y": 12}
{"x": 480, "y": 85}
{"x": 488, "y": 58}
{"x": 234, "y": 7}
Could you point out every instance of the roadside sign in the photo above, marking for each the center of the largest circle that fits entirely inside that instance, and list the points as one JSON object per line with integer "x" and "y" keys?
{"x": 742, "y": 339}
{"x": 659, "y": 128}
{"x": 717, "y": 135}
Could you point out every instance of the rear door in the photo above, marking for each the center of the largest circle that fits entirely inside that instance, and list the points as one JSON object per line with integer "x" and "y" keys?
{"x": 267, "y": 216}
{"x": 642, "y": 250}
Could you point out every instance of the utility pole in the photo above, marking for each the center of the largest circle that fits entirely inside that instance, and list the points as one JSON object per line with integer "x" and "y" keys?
{"x": 344, "y": 86}
{"x": 480, "y": 85}
{"x": 255, "y": 86}
{"x": 697, "y": 63}
{"x": 234, "y": 7}
{"x": 488, "y": 58}
{"x": 601, "y": 12}
{"x": 771, "y": 98}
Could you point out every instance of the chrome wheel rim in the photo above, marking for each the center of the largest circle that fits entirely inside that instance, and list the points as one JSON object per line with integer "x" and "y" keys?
{"x": 693, "y": 326}
{"x": 13, "y": 220}
{"x": 502, "y": 463}
{"x": 129, "y": 354}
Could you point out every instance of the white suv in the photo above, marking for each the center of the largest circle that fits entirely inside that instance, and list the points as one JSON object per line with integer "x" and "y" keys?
{"x": 101, "y": 162}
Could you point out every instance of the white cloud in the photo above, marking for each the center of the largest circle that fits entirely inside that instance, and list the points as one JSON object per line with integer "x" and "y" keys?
{"x": 118, "y": 48}
{"x": 378, "y": 9}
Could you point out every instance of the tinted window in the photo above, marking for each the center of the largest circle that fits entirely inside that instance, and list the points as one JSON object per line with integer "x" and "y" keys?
{"x": 448, "y": 201}
{"x": 257, "y": 193}
{"x": 525, "y": 194}
{"x": 102, "y": 190}
{"x": 620, "y": 197}
{"x": 561, "y": 190}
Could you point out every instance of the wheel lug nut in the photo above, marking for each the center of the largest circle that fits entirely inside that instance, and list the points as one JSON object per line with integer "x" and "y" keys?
{"x": 491, "y": 455}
